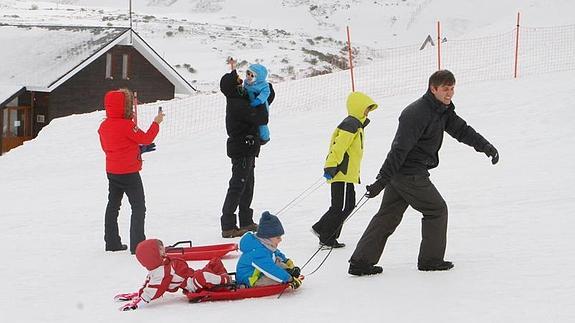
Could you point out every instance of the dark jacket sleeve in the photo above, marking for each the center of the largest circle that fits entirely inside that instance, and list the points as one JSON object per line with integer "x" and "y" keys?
{"x": 457, "y": 128}
{"x": 258, "y": 115}
{"x": 412, "y": 124}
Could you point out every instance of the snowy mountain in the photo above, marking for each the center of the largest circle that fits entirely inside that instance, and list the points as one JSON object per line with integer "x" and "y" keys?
{"x": 294, "y": 38}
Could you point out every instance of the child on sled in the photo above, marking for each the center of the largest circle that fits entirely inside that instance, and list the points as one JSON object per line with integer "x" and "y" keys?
{"x": 170, "y": 274}
{"x": 261, "y": 262}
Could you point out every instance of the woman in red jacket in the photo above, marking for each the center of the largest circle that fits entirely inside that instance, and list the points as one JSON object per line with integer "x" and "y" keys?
{"x": 123, "y": 144}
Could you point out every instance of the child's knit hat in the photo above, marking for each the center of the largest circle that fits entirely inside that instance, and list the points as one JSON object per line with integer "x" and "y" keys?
{"x": 269, "y": 226}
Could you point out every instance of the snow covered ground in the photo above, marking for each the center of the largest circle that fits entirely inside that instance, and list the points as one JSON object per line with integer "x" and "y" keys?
{"x": 510, "y": 231}
{"x": 510, "y": 224}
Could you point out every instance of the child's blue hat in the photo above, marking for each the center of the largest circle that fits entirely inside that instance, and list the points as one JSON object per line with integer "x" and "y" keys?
{"x": 269, "y": 226}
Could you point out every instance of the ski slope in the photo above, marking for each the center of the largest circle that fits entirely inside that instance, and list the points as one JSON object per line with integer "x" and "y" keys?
{"x": 510, "y": 228}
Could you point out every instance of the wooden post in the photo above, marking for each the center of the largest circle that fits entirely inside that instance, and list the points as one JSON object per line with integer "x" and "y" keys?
{"x": 438, "y": 46}
{"x": 136, "y": 108}
{"x": 516, "y": 47}
{"x": 350, "y": 60}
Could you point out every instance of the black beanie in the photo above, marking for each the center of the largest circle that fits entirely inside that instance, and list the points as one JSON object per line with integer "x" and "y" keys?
{"x": 269, "y": 226}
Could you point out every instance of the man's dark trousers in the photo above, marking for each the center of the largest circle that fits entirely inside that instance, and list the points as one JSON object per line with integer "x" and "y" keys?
{"x": 418, "y": 192}
{"x": 131, "y": 184}
{"x": 240, "y": 193}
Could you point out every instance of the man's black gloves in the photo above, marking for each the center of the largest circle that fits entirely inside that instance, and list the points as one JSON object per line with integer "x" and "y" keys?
{"x": 374, "y": 189}
{"x": 490, "y": 151}
{"x": 147, "y": 148}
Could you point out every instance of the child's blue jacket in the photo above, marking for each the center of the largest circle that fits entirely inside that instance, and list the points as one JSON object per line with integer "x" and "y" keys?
{"x": 257, "y": 260}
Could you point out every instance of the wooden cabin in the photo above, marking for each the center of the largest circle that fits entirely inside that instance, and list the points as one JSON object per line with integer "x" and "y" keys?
{"x": 54, "y": 71}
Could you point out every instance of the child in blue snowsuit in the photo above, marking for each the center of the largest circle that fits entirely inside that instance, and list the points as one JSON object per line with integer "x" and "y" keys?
{"x": 258, "y": 90}
{"x": 261, "y": 262}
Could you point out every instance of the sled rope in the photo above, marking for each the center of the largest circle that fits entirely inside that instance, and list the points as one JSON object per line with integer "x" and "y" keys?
{"x": 312, "y": 188}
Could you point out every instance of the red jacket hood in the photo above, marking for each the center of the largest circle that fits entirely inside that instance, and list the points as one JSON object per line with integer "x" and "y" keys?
{"x": 148, "y": 254}
{"x": 114, "y": 104}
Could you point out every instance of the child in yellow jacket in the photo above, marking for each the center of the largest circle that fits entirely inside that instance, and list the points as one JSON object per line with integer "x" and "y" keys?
{"x": 342, "y": 168}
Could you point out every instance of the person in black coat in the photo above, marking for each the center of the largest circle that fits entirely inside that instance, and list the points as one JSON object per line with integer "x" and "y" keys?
{"x": 243, "y": 146}
{"x": 405, "y": 177}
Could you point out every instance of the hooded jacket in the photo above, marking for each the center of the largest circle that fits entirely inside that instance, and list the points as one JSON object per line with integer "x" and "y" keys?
{"x": 121, "y": 138}
{"x": 242, "y": 121}
{"x": 419, "y": 136}
{"x": 257, "y": 260}
{"x": 259, "y": 89}
{"x": 164, "y": 274}
{"x": 346, "y": 145}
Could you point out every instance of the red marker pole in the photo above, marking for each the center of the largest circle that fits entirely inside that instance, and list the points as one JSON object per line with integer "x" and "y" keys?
{"x": 350, "y": 60}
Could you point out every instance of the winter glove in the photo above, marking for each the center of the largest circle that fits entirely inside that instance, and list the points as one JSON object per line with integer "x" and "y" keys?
{"x": 490, "y": 151}
{"x": 374, "y": 189}
{"x": 255, "y": 103}
{"x": 295, "y": 283}
{"x": 329, "y": 172}
{"x": 294, "y": 272}
{"x": 147, "y": 148}
{"x": 250, "y": 140}
{"x": 289, "y": 263}
{"x": 125, "y": 297}
{"x": 135, "y": 303}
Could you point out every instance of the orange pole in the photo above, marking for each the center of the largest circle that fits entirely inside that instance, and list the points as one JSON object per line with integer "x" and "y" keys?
{"x": 438, "y": 46}
{"x": 350, "y": 60}
{"x": 516, "y": 46}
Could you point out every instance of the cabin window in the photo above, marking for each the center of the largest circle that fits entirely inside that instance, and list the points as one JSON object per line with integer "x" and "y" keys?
{"x": 109, "y": 66}
{"x": 5, "y": 123}
{"x": 11, "y": 123}
{"x": 125, "y": 67}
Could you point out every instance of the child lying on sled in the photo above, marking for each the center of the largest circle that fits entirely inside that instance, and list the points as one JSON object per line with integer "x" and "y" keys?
{"x": 170, "y": 274}
{"x": 261, "y": 262}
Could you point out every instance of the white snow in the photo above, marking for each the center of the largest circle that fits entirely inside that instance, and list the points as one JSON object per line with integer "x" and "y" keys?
{"x": 7, "y": 91}
{"x": 196, "y": 36}
{"x": 510, "y": 226}
{"x": 39, "y": 56}
{"x": 509, "y": 233}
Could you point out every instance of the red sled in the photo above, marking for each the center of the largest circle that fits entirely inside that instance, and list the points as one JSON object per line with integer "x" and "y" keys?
{"x": 234, "y": 292}
{"x": 200, "y": 252}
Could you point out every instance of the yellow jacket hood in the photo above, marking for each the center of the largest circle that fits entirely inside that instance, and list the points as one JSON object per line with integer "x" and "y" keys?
{"x": 357, "y": 102}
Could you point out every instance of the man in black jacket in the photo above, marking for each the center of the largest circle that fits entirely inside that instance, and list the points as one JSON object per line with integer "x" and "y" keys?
{"x": 405, "y": 177}
{"x": 243, "y": 146}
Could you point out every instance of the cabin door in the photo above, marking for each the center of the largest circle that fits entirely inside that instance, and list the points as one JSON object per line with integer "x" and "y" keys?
{"x": 16, "y": 126}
